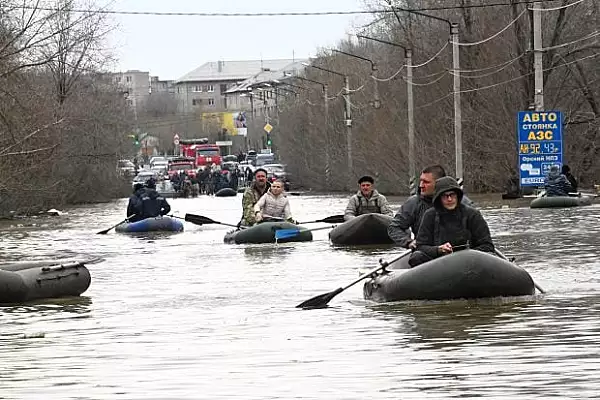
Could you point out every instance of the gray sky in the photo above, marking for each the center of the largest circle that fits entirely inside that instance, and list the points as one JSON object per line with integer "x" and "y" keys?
{"x": 170, "y": 46}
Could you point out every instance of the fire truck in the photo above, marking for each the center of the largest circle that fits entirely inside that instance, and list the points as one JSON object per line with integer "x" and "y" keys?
{"x": 203, "y": 152}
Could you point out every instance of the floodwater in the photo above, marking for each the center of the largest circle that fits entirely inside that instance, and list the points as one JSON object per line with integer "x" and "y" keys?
{"x": 185, "y": 316}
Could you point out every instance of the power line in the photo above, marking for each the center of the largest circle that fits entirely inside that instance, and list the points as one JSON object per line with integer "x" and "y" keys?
{"x": 276, "y": 14}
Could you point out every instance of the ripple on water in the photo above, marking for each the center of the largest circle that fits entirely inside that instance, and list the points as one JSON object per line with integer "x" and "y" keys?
{"x": 186, "y": 316}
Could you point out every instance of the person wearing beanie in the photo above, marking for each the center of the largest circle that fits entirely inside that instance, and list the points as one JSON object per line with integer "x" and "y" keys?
{"x": 407, "y": 220}
{"x": 556, "y": 184}
{"x": 252, "y": 194}
{"x": 367, "y": 200}
{"x": 450, "y": 226}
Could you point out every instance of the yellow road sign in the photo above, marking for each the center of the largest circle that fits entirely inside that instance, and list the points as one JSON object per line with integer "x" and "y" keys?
{"x": 268, "y": 128}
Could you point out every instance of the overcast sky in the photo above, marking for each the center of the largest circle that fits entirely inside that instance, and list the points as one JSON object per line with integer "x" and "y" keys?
{"x": 171, "y": 46}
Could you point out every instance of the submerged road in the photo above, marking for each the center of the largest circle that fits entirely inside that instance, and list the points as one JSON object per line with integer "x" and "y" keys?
{"x": 185, "y": 316}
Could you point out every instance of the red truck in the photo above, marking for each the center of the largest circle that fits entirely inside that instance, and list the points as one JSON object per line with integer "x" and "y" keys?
{"x": 178, "y": 164}
{"x": 203, "y": 152}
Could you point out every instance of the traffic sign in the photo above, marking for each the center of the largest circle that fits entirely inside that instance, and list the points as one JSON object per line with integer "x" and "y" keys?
{"x": 540, "y": 145}
{"x": 176, "y": 139}
{"x": 268, "y": 128}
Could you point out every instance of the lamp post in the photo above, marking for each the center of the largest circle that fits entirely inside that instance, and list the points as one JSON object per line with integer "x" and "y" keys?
{"x": 454, "y": 32}
{"x": 348, "y": 114}
{"x": 376, "y": 100}
{"x": 325, "y": 127}
{"x": 410, "y": 104}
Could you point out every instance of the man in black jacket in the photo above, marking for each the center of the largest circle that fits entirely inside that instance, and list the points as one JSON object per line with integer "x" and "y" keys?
{"x": 450, "y": 225}
{"x": 152, "y": 203}
{"x": 408, "y": 219}
{"x": 134, "y": 207}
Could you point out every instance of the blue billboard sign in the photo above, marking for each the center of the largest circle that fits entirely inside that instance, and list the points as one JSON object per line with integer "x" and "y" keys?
{"x": 540, "y": 145}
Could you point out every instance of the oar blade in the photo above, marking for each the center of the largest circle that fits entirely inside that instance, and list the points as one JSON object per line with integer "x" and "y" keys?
{"x": 194, "y": 219}
{"x": 319, "y": 301}
{"x": 104, "y": 232}
{"x": 286, "y": 233}
{"x": 334, "y": 219}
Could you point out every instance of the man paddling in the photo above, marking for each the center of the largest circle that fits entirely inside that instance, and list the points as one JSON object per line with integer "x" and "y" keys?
{"x": 252, "y": 194}
{"x": 152, "y": 203}
{"x": 134, "y": 207}
{"x": 408, "y": 219}
{"x": 367, "y": 200}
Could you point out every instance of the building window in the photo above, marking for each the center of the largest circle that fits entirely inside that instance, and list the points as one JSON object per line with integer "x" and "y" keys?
{"x": 211, "y": 102}
{"x": 223, "y": 88}
{"x": 128, "y": 79}
{"x": 197, "y": 88}
{"x": 210, "y": 88}
{"x": 198, "y": 102}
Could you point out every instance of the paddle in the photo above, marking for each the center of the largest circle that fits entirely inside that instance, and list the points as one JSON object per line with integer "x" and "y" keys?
{"x": 104, "y": 232}
{"x": 321, "y": 300}
{"x": 333, "y": 219}
{"x": 288, "y": 233}
{"x": 201, "y": 220}
{"x": 499, "y": 253}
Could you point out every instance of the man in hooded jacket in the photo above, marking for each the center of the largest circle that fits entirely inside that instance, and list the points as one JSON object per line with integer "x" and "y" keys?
{"x": 450, "y": 225}
{"x": 407, "y": 220}
{"x": 134, "y": 207}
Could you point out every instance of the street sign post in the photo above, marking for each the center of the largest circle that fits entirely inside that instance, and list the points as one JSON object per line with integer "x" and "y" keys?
{"x": 176, "y": 140}
{"x": 540, "y": 145}
{"x": 268, "y": 128}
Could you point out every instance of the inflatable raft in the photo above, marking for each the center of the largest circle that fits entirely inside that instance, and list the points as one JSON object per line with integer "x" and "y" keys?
{"x": 265, "y": 233}
{"x": 365, "y": 229}
{"x": 25, "y": 281}
{"x": 466, "y": 274}
{"x": 560, "y": 201}
{"x": 226, "y": 192}
{"x": 155, "y": 224}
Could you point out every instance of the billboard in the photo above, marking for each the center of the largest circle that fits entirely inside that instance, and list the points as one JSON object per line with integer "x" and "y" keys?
{"x": 540, "y": 145}
{"x": 233, "y": 122}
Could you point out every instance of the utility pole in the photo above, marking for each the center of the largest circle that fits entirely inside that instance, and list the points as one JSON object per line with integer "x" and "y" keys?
{"x": 411, "y": 118}
{"x": 538, "y": 56}
{"x": 348, "y": 121}
{"x": 457, "y": 109}
{"x": 326, "y": 128}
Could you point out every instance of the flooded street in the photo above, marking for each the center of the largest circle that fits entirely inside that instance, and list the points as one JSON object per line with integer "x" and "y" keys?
{"x": 185, "y": 316}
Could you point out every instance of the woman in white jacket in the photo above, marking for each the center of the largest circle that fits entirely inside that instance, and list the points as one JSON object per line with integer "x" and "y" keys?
{"x": 273, "y": 204}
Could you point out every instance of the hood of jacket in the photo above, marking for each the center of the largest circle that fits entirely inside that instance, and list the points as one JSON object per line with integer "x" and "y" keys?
{"x": 445, "y": 184}
{"x": 552, "y": 175}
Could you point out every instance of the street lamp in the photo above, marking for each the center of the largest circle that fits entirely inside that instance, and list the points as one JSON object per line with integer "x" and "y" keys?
{"x": 348, "y": 119}
{"x": 454, "y": 30}
{"x": 410, "y": 102}
{"x": 376, "y": 101}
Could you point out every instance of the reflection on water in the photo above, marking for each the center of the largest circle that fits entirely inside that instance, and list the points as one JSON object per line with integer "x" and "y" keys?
{"x": 186, "y": 316}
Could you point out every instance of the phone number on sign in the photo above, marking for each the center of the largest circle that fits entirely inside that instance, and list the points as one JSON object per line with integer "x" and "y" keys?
{"x": 532, "y": 180}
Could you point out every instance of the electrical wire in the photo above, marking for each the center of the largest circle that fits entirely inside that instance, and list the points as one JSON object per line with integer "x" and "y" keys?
{"x": 286, "y": 14}
{"x": 557, "y": 8}
{"x": 494, "y": 35}
{"x": 390, "y": 78}
{"x": 484, "y": 75}
{"x": 468, "y": 71}
{"x": 504, "y": 82}
{"x": 432, "y": 58}
{"x": 425, "y": 84}
{"x": 591, "y": 35}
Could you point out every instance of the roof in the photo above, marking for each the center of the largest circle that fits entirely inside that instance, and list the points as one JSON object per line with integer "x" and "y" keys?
{"x": 281, "y": 74}
{"x": 232, "y": 70}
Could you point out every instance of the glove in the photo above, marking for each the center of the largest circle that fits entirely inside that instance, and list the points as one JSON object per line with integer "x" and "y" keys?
{"x": 258, "y": 216}
{"x": 292, "y": 221}
{"x": 412, "y": 245}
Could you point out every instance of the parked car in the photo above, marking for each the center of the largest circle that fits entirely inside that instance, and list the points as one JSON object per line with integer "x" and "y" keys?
{"x": 156, "y": 159}
{"x": 277, "y": 171}
{"x": 143, "y": 177}
{"x": 126, "y": 168}
{"x": 264, "y": 159}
